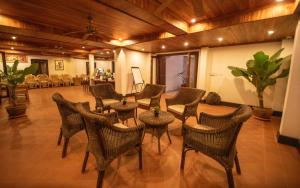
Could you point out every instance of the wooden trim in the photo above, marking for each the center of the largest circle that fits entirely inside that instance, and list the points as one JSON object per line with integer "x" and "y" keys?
{"x": 288, "y": 140}
{"x": 151, "y": 71}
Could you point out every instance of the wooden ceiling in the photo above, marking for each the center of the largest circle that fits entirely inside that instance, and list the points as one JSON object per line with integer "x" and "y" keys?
{"x": 59, "y": 27}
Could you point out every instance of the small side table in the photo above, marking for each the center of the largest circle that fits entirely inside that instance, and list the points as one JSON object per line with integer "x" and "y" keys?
{"x": 126, "y": 111}
{"x": 158, "y": 124}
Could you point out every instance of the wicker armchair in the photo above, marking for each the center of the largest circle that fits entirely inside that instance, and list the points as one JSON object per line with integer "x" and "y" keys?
{"x": 66, "y": 80}
{"x": 31, "y": 81}
{"x": 184, "y": 104}
{"x": 150, "y": 96}
{"x": 72, "y": 122}
{"x": 106, "y": 140}
{"x": 105, "y": 95}
{"x": 43, "y": 80}
{"x": 55, "y": 81}
{"x": 215, "y": 136}
{"x": 85, "y": 82}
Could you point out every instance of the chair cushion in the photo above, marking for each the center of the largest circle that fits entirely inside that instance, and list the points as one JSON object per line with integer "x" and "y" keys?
{"x": 178, "y": 108}
{"x": 201, "y": 126}
{"x": 120, "y": 125}
{"x": 107, "y": 102}
{"x": 145, "y": 101}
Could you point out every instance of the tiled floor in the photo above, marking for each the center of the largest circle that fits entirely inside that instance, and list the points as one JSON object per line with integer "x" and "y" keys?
{"x": 29, "y": 156}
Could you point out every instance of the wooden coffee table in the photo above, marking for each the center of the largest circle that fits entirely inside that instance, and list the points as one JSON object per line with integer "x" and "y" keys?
{"x": 126, "y": 111}
{"x": 158, "y": 124}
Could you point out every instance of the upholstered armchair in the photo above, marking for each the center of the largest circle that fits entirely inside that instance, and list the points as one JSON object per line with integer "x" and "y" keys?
{"x": 150, "y": 96}
{"x": 55, "y": 81}
{"x": 31, "y": 81}
{"x": 71, "y": 121}
{"x": 43, "y": 80}
{"x": 184, "y": 104}
{"x": 107, "y": 139}
{"x": 215, "y": 136}
{"x": 105, "y": 95}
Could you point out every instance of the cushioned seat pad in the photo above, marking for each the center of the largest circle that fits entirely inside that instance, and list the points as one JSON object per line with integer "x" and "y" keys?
{"x": 178, "y": 108}
{"x": 107, "y": 102}
{"x": 145, "y": 101}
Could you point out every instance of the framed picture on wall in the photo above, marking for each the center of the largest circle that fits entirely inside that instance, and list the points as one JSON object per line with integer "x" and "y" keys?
{"x": 59, "y": 64}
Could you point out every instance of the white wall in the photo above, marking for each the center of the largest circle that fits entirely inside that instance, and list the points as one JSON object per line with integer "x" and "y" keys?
{"x": 290, "y": 124}
{"x": 238, "y": 90}
{"x": 174, "y": 65}
{"x": 124, "y": 60}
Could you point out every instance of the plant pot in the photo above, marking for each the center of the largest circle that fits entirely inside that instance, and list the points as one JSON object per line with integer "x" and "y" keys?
{"x": 262, "y": 113}
{"x": 124, "y": 102}
{"x": 156, "y": 114}
{"x": 15, "y": 111}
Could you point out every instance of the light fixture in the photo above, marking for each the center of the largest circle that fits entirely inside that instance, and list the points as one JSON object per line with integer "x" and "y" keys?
{"x": 193, "y": 20}
{"x": 220, "y": 39}
{"x": 107, "y": 52}
{"x": 114, "y": 51}
{"x": 14, "y": 37}
{"x": 101, "y": 53}
{"x": 12, "y": 48}
{"x": 120, "y": 39}
{"x": 278, "y": 1}
{"x": 83, "y": 47}
{"x": 143, "y": 49}
{"x": 63, "y": 53}
{"x": 163, "y": 47}
{"x": 186, "y": 44}
{"x": 270, "y": 32}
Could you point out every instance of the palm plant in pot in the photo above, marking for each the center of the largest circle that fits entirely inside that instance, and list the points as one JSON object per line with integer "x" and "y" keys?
{"x": 263, "y": 71}
{"x": 11, "y": 79}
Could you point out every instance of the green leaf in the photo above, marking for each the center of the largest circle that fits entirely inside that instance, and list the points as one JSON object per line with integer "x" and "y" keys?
{"x": 284, "y": 73}
{"x": 31, "y": 69}
{"x": 236, "y": 71}
{"x": 15, "y": 66}
{"x": 260, "y": 57}
{"x": 276, "y": 55}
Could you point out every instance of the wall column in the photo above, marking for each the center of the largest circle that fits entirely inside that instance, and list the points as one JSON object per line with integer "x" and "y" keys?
{"x": 120, "y": 71}
{"x": 91, "y": 64}
{"x": 290, "y": 124}
{"x": 202, "y": 68}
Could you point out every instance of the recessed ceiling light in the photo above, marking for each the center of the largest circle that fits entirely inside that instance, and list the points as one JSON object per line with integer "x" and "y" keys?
{"x": 101, "y": 53}
{"x": 193, "y": 20}
{"x": 12, "y": 48}
{"x": 186, "y": 44}
{"x": 107, "y": 52}
{"x": 163, "y": 46}
{"x": 220, "y": 39}
{"x": 114, "y": 51}
{"x": 270, "y": 32}
{"x": 83, "y": 47}
{"x": 63, "y": 53}
{"x": 120, "y": 39}
{"x": 279, "y": 1}
{"x": 14, "y": 37}
{"x": 143, "y": 49}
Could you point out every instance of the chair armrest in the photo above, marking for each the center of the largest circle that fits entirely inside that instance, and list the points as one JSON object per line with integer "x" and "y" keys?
{"x": 140, "y": 95}
{"x": 112, "y": 116}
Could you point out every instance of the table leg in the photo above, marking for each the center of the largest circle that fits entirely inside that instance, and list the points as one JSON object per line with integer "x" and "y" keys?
{"x": 135, "y": 121}
{"x": 169, "y": 136}
{"x": 158, "y": 140}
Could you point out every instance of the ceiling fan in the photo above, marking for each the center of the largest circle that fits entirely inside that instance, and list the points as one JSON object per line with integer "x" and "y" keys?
{"x": 90, "y": 31}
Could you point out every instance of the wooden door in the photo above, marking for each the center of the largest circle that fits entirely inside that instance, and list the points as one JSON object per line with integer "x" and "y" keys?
{"x": 161, "y": 70}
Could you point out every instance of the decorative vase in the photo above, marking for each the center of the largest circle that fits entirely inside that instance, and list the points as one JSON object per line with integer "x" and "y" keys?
{"x": 264, "y": 114}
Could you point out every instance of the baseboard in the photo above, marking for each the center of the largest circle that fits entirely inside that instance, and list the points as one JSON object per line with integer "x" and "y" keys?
{"x": 288, "y": 141}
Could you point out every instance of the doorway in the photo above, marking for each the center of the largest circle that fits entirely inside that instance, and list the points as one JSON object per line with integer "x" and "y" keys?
{"x": 42, "y": 66}
{"x": 177, "y": 70}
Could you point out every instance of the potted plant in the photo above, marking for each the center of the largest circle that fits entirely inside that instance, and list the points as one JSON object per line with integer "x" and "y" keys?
{"x": 184, "y": 79}
{"x": 262, "y": 72}
{"x": 156, "y": 111}
{"x": 12, "y": 78}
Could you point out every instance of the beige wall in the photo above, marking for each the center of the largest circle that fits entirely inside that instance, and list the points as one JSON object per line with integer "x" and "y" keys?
{"x": 237, "y": 90}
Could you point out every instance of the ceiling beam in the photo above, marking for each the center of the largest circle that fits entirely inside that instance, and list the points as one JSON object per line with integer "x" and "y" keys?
{"x": 163, "y": 6}
{"x": 16, "y": 27}
{"x": 166, "y": 21}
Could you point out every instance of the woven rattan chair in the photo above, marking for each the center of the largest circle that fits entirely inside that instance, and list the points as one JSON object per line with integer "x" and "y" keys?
{"x": 66, "y": 80}
{"x": 105, "y": 95}
{"x": 150, "y": 96}
{"x": 108, "y": 140}
{"x": 55, "y": 81}
{"x": 215, "y": 136}
{"x": 184, "y": 104}
{"x": 31, "y": 81}
{"x": 43, "y": 80}
{"x": 71, "y": 121}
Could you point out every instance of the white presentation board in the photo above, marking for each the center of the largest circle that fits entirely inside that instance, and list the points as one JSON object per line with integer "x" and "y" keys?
{"x": 137, "y": 76}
